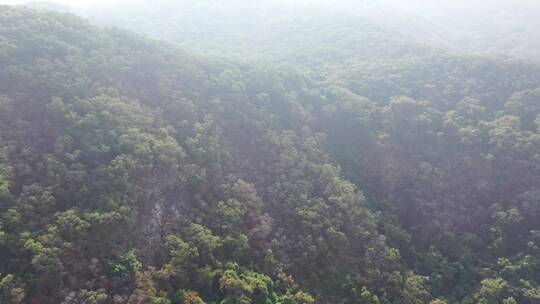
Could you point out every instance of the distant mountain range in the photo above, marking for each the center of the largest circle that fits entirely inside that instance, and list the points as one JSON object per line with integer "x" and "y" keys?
{"x": 497, "y": 28}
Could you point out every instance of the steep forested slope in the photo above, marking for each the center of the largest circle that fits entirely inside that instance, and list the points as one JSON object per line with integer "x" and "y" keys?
{"x": 449, "y": 150}
{"x": 445, "y": 147}
{"x": 134, "y": 173}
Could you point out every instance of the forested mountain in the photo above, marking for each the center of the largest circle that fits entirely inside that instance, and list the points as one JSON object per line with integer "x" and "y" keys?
{"x": 134, "y": 173}
{"x": 340, "y": 163}
{"x": 453, "y": 160}
{"x": 489, "y": 27}
{"x": 280, "y": 27}
{"x": 264, "y": 30}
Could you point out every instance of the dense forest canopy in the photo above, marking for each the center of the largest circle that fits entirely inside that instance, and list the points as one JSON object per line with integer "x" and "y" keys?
{"x": 269, "y": 153}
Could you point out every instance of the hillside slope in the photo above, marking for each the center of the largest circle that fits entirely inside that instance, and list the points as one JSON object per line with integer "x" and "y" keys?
{"x": 444, "y": 146}
{"x": 134, "y": 173}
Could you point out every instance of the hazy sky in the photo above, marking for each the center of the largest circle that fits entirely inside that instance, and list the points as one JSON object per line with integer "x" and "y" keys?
{"x": 59, "y": 1}
{"x": 443, "y": 6}
{"x": 415, "y": 2}
{"x": 67, "y": 2}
